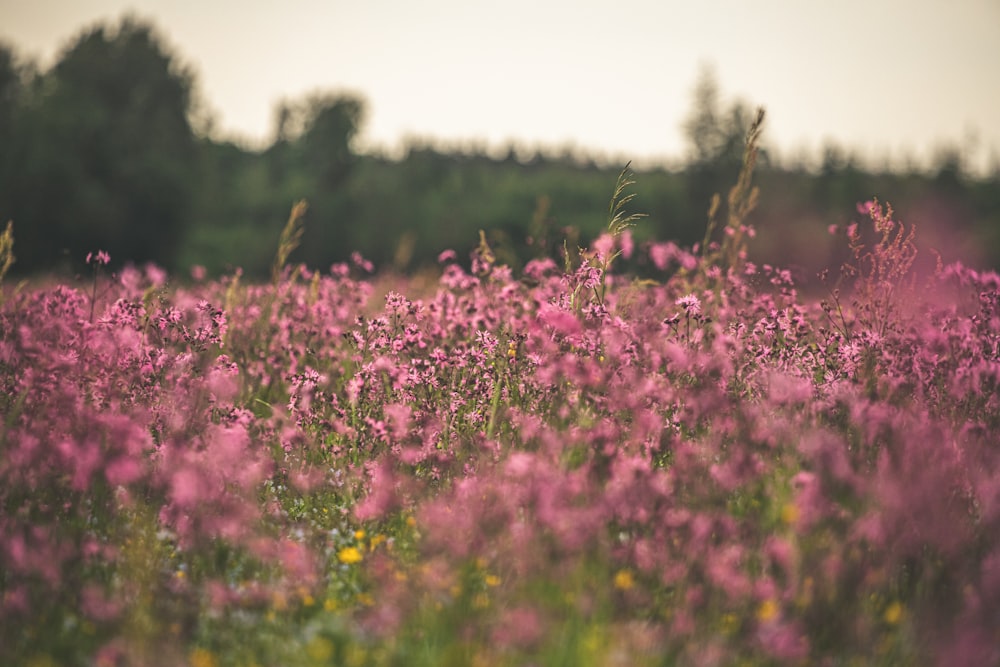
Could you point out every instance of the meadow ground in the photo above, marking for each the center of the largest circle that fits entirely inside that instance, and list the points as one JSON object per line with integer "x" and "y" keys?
{"x": 564, "y": 467}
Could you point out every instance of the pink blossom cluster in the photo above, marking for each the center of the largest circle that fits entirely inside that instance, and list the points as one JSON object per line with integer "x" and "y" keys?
{"x": 708, "y": 465}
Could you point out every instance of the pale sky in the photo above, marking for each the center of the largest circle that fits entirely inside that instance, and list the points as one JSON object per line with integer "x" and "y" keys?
{"x": 887, "y": 78}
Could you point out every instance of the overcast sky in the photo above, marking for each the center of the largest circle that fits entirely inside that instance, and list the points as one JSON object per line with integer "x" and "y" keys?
{"x": 888, "y": 78}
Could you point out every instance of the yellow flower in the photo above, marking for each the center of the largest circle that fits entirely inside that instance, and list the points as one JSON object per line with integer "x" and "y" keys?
{"x": 730, "y": 623}
{"x": 42, "y": 661}
{"x": 492, "y": 580}
{"x": 789, "y": 513}
{"x": 359, "y": 534}
{"x": 893, "y": 613}
{"x": 199, "y": 657}
{"x": 320, "y": 649}
{"x": 624, "y": 580}
{"x": 356, "y": 655}
{"x": 767, "y": 610}
{"x": 349, "y": 555}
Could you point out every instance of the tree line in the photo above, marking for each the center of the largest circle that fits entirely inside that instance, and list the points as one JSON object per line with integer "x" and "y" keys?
{"x": 110, "y": 149}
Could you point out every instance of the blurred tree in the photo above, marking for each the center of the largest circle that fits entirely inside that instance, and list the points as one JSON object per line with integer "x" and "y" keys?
{"x": 15, "y": 78}
{"x": 716, "y": 137}
{"x": 949, "y": 169}
{"x": 316, "y": 134}
{"x": 703, "y": 125}
{"x": 107, "y": 157}
{"x": 107, "y": 150}
{"x": 313, "y": 157}
{"x": 326, "y": 144}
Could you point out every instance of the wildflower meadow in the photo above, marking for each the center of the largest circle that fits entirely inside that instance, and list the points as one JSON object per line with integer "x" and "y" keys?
{"x": 635, "y": 454}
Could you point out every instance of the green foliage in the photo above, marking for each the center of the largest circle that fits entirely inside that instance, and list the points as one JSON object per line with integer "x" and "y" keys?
{"x": 103, "y": 151}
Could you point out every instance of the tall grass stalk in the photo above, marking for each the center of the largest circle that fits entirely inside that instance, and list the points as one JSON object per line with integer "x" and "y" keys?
{"x": 619, "y": 221}
{"x": 730, "y": 252}
{"x": 291, "y": 237}
{"x": 6, "y": 255}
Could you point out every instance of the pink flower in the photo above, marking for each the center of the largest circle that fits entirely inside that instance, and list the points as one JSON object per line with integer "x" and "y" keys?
{"x": 362, "y": 263}
{"x": 780, "y": 551}
{"x": 786, "y": 389}
{"x": 539, "y": 268}
{"x": 626, "y": 243}
{"x": 661, "y": 254}
{"x": 604, "y": 244}
{"x": 382, "y": 495}
{"x": 398, "y": 416}
{"x": 559, "y": 320}
{"x": 122, "y": 471}
{"x": 156, "y": 276}
{"x": 222, "y": 381}
{"x": 100, "y": 257}
{"x": 784, "y": 641}
{"x": 354, "y": 387}
{"x": 297, "y": 561}
{"x": 187, "y": 487}
{"x": 691, "y": 305}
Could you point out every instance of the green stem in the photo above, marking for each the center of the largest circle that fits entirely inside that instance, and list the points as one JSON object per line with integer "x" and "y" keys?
{"x": 495, "y": 402}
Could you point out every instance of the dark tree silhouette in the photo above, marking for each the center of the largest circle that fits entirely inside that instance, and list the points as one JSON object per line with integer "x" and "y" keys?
{"x": 107, "y": 155}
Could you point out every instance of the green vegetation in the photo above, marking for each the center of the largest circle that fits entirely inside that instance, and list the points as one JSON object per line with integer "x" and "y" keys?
{"x": 560, "y": 466}
{"x": 650, "y": 454}
{"x": 111, "y": 148}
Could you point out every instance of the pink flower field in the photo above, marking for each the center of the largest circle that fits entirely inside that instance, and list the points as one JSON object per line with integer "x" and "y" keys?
{"x": 566, "y": 466}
